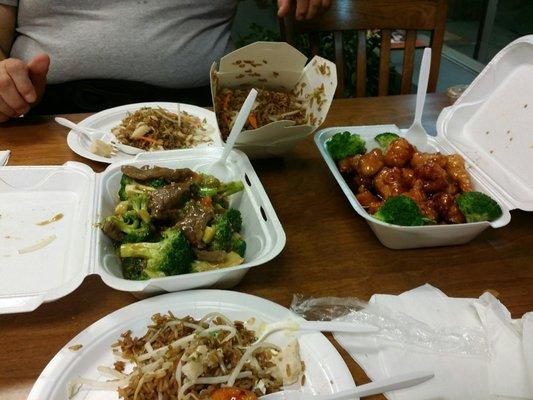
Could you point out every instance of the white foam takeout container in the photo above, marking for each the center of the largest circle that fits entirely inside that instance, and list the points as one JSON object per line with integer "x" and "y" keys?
{"x": 31, "y": 194}
{"x": 277, "y": 66}
{"x": 491, "y": 126}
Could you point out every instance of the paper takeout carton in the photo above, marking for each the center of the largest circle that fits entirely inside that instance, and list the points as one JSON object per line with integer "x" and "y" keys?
{"x": 277, "y": 66}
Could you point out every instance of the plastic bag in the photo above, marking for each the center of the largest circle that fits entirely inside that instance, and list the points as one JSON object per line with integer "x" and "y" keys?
{"x": 396, "y": 327}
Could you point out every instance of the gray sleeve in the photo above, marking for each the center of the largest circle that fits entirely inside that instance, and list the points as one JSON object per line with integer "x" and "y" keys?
{"x": 13, "y": 3}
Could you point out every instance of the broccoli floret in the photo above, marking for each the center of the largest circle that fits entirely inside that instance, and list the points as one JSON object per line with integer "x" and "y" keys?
{"x": 130, "y": 187}
{"x": 124, "y": 181}
{"x": 206, "y": 180}
{"x": 126, "y": 228}
{"x": 238, "y": 245}
{"x": 477, "y": 207}
{"x": 235, "y": 219}
{"x": 155, "y": 183}
{"x": 401, "y": 210}
{"x": 209, "y": 186}
{"x": 139, "y": 204}
{"x": 204, "y": 191}
{"x": 170, "y": 256}
{"x": 133, "y": 268}
{"x": 384, "y": 139}
{"x": 344, "y": 144}
{"x": 223, "y": 234}
{"x": 227, "y": 189}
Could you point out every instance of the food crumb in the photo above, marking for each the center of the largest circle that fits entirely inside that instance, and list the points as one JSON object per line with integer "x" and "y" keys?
{"x": 525, "y": 105}
{"x": 492, "y": 151}
{"x": 119, "y": 366}
{"x": 508, "y": 132}
{"x": 486, "y": 133}
{"x": 510, "y": 139}
{"x": 55, "y": 218}
{"x": 75, "y": 347}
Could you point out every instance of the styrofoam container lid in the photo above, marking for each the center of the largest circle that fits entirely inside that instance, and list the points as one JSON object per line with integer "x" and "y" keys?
{"x": 491, "y": 124}
{"x": 76, "y": 247}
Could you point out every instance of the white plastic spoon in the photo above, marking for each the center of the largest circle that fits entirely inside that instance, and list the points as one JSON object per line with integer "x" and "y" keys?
{"x": 219, "y": 167}
{"x": 382, "y": 386}
{"x": 416, "y": 134}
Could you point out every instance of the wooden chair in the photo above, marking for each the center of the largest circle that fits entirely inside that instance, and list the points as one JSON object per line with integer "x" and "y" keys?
{"x": 385, "y": 15}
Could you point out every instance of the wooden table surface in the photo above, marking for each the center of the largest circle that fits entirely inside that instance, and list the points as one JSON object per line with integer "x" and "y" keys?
{"x": 330, "y": 250}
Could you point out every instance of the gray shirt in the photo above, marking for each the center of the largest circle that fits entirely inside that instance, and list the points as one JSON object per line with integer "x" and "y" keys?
{"x": 169, "y": 43}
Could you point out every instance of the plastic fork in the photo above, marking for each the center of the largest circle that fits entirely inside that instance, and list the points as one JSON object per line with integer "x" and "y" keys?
{"x": 416, "y": 134}
{"x": 318, "y": 326}
{"x": 219, "y": 167}
{"x": 99, "y": 138}
{"x": 382, "y": 386}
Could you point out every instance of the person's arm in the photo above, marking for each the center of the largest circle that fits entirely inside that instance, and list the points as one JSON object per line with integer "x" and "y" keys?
{"x": 21, "y": 84}
{"x": 8, "y": 16}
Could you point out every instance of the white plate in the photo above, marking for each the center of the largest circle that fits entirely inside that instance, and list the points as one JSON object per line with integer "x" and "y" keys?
{"x": 325, "y": 371}
{"x": 108, "y": 119}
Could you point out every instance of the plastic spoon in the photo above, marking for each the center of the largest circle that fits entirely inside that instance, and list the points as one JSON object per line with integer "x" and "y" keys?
{"x": 382, "y": 386}
{"x": 219, "y": 167}
{"x": 416, "y": 134}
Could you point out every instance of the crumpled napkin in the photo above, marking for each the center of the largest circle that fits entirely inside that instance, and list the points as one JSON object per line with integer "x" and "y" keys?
{"x": 504, "y": 371}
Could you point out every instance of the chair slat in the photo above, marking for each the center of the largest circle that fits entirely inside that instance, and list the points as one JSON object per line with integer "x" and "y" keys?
{"x": 314, "y": 40}
{"x": 339, "y": 62}
{"x": 361, "y": 64}
{"x": 386, "y": 15}
{"x": 408, "y": 61}
{"x": 384, "y": 63}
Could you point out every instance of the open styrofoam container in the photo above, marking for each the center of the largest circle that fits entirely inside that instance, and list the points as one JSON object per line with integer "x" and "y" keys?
{"x": 491, "y": 126}
{"x": 277, "y": 66}
{"x": 29, "y": 195}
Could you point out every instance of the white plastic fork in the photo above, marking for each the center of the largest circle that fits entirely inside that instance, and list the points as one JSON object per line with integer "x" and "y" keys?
{"x": 219, "y": 167}
{"x": 95, "y": 135}
{"x": 416, "y": 134}
{"x": 318, "y": 326}
{"x": 382, "y": 386}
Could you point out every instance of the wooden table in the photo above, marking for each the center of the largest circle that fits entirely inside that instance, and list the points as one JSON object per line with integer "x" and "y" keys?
{"x": 330, "y": 250}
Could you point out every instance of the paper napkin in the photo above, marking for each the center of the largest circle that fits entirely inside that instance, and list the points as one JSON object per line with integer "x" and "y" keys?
{"x": 502, "y": 371}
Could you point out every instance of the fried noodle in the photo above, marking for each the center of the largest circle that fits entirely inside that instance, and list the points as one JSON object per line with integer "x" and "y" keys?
{"x": 183, "y": 358}
{"x": 268, "y": 107}
{"x": 158, "y": 129}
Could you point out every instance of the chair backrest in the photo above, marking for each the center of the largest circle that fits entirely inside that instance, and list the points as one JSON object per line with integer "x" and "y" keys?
{"x": 383, "y": 15}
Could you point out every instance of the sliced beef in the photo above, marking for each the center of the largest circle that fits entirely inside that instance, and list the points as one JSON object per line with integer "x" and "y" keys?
{"x": 216, "y": 256}
{"x": 194, "y": 220}
{"x": 170, "y": 175}
{"x": 112, "y": 230}
{"x": 166, "y": 199}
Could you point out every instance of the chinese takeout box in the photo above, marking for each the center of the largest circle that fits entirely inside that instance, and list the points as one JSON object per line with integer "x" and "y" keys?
{"x": 277, "y": 66}
{"x": 491, "y": 126}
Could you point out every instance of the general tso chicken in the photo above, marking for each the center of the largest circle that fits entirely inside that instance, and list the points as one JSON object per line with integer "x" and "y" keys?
{"x": 400, "y": 185}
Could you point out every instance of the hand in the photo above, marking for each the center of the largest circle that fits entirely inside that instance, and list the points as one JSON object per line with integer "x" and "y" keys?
{"x": 21, "y": 85}
{"x": 305, "y": 9}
